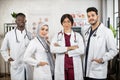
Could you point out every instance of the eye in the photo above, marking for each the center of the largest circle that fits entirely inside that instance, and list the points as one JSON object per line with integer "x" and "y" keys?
{"x": 69, "y": 21}
{"x": 42, "y": 29}
{"x": 88, "y": 16}
{"x": 64, "y": 22}
{"x": 93, "y": 15}
{"x": 46, "y": 29}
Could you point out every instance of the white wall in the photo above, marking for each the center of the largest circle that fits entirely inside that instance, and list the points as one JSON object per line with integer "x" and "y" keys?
{"x": 56, "y": 8}
{"x": 110, "y": 10}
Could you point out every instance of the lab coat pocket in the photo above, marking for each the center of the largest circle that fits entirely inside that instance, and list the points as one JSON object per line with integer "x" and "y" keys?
{"x": 41, "y": 70}
{"x": 12, "y": 63}
{"x": 100, "y": 42}
{"x": 96, "y": 66}
{"x": 46, "y": 69}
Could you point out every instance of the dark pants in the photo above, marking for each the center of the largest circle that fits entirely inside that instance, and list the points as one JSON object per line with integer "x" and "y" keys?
{"x": 25, "y": 74}
{"x": 87, "y": 78}
{"x": 69, "y": 74}
{"x": 53, "y": 77}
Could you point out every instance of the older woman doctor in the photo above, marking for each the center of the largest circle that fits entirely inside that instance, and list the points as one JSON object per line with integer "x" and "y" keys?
{"x": 68, "y": 46}
{"x": 43, "y": 60}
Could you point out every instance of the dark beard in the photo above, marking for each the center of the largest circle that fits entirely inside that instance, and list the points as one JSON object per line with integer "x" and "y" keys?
{"x": 94, "y": 23}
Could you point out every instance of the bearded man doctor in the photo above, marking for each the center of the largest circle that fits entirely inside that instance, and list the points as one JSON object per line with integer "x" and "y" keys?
{"x": 100, "y": 47}
{"x": 16, "y": 41}
{"x": 68, "y": 47}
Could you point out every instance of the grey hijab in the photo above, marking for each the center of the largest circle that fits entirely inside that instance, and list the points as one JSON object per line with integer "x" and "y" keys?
{"x": 44, "y": 43}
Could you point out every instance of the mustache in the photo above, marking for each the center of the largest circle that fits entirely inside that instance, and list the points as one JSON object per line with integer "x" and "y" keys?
{"x": 91, "y": 20}
{"x": 21, "y": 24}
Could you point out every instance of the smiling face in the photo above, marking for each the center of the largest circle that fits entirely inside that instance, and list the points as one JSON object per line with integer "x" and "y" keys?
{"x": 20, "y": 21}
{"x": 92, "y": 17}
{"x": 43, "y": 31}
{"x": 67, "y": 24}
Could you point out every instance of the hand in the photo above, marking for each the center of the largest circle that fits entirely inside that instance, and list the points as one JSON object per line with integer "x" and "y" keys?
{"x": 98, "y": 60}
{"x": 56, "y": 44}
{"x": 42, "y": 64}
{"x": 10, "y": 59}
{"x": 72, "y": 47}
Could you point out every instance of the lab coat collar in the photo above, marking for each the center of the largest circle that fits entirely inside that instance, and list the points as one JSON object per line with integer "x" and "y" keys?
{"x": 62, "y": 31}
{"x": 100, "y": 30}
{"x": 17, "y": 30}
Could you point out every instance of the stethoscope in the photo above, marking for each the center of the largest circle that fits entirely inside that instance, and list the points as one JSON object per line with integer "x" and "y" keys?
{"x": 88, "y": 31}
{"x": 60, "y": 38}
{"x": 26, "y": 35}
{"x": 46, "y": 50}
{"x": 94, "y": 34}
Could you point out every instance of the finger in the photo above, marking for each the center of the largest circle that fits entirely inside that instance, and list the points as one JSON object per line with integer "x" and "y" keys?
{"x": 46, "y": 63}
{"x": 96, "y": 60}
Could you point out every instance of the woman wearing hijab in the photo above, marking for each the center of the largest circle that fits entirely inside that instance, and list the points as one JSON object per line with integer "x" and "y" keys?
{"x": 68, "y": 46}
{"x": 38, "y": 54}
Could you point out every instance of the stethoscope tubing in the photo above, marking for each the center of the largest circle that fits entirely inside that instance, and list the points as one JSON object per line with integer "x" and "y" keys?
{"x": 62, "y": 35}
{"x": 17, "y": 37}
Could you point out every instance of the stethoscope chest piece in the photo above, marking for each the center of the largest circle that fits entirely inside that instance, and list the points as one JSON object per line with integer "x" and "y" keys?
{"x": 46, "y": 51}
{"x": 60, "y": 35}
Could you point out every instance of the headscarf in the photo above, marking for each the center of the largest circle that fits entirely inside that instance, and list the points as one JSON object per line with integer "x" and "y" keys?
{"x": 44, "y": 43}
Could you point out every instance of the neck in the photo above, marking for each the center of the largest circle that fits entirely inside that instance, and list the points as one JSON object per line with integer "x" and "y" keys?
{"x": 21, "y": 28}
{"x": 95, "y": 25}
{"x": 67, "y": 31}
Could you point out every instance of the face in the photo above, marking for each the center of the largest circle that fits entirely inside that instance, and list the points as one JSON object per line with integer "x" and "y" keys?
{"x": 43, "y": 31}
{"x": 20, "y": 21}
{"x": 92, "y": 17}
{"x": 67, "y": 24}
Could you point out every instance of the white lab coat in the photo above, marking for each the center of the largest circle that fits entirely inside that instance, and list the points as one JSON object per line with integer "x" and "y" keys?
{"x": 18, "y": 67}
{"x": 101, "y": 46}
{"x": 35, "y": 53}
{"x": 60, "y": 54}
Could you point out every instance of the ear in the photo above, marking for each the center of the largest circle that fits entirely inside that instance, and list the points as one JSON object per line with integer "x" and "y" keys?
{"x": 98, "y": 16}
{"x": 25, "y": 21}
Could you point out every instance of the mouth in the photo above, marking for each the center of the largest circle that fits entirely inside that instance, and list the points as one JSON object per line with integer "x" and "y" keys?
{"x": 67, "y": 26}
{"x": 21, "y": 24}
{"x": 91, "y": 20}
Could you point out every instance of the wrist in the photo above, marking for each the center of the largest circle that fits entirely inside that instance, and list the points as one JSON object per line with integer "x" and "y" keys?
{"x": 102, "y": 61}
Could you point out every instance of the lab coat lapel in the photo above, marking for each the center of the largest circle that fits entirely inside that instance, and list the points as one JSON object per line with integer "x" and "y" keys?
{"x": 21, "y": 47}
{"x": 72, "y": 38}
{"x": 87, "y": 33}
{"x": 95, "y": 40}
{"x": 62, "y": 42}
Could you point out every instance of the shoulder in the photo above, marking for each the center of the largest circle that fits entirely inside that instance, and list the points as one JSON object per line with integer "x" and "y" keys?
{"x": 106, "y": 31}
{"x": 29, "y": 35}
{"x": 57, "y": 34}
{"x": 33, "y": 41}
{"x": 10, "y": 33}
{"x": 78, "y": 34}
{"x": 85, "y": 28}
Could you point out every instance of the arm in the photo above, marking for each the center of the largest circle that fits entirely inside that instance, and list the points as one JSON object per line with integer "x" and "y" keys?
{"x": 57, "y": 49}
{"x": 78, "y": 51}
{"x": 111, "y": 47}
{"x": 5, "y": 47}
{"x": 28, "y": 54}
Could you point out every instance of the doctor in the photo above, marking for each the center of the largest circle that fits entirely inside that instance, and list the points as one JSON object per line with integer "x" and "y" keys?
{"x": 16, "y": 42}
{"x": 68, "y": 46}
{"x": 100, "y": 47}
{"x": 43, "y": 60}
